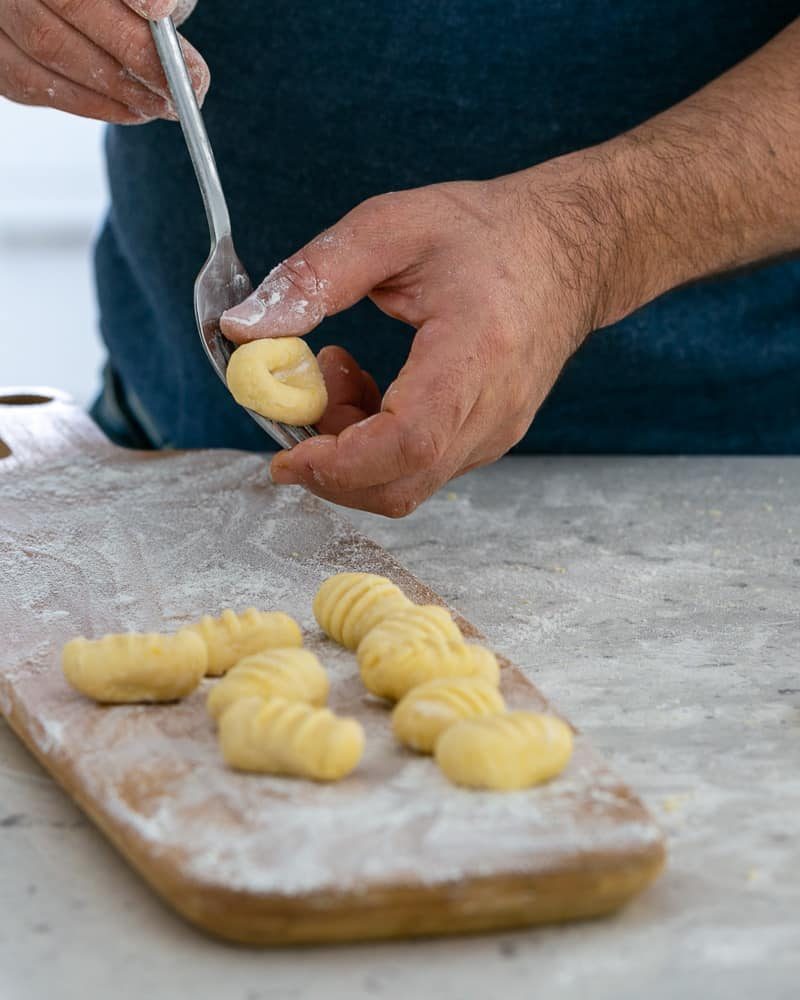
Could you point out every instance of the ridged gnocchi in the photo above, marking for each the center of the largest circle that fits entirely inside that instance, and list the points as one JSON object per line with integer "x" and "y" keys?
{"x": 289, "y": 737}
{"x": 231, "y": 636}
{"x": 505, "y": 752}
{"x": 132, "y": 666}
{"x": 293, "y": 674}
{"x": 278, "y": 378}
{"x": 483, "y": 663}
{"x": 348, "y": 605}
{"x": 426, "y": 711}
{"x": 418, "y": 644}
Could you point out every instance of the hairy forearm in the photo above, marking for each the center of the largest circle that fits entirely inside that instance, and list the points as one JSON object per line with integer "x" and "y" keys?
{"x": 710, "y": 185}
{"x": 713, "y": 183}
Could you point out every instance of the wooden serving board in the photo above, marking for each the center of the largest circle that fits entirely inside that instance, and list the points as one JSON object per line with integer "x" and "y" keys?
{"x": 94, "y": 539}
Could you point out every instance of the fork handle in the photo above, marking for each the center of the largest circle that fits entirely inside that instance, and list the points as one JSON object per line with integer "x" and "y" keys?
{"x": 194, "y": 131}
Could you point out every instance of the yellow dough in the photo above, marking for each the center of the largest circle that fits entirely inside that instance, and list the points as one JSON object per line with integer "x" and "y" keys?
{"x": 136, "y": 667}
{"x": 278, "y": 378}
{"x": 416, "y": 645}
{"x": 427, "y": 710}
{"x": 293, "y": 674}
{"x": 231, "y": 637}
{"x": 483, "y": 663}
{"x": 348, "y": 605}
{"x": 289, "y": 737}
{"x": 505, "y": 752}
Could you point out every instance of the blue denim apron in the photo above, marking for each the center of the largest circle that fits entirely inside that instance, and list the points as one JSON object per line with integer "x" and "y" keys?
{"x": 315, "y": 106}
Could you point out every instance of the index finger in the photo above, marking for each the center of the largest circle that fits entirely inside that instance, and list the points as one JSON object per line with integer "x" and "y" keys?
{"x": 331, "y": 273}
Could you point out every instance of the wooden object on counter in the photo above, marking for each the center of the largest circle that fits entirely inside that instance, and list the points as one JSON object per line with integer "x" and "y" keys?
{"x": 94, "y": 539}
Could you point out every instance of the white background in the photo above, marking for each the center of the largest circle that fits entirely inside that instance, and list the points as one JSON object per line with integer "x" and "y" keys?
{"x": 52, "y": 197}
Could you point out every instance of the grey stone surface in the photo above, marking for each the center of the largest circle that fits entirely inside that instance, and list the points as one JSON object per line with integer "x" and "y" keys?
{"x": 657, "y": 602}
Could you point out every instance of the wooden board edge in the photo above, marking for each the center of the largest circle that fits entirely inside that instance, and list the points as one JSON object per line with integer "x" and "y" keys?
{"x": 471, "y": 906}
{"x": 479, "y": 904}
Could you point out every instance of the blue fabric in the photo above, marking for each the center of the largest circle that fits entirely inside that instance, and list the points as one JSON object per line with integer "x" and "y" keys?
{"x": 315, "y": 106}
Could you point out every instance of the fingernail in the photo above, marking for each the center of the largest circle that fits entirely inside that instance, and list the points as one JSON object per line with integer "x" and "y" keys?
{"x": 280, "y": 304}
{"x": 140, "y": 118}
{"x": 169, "y": 113}
{"x": 282, "y": 475}
{"x": 157, "y": 107}
{"x": 159, "y": 94}
{"x": 151, "y": 106}
{"x": 248, "y": 312}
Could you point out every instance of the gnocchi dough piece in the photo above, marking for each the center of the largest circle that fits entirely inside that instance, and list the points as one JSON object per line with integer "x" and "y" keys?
{"x": 278, "y": 378}
{"x": 483, "y": 663}
{"x": 427, "y": 710}
{"x": 232, "y": 636}
{"x": 505, "y": 752}
{"x": 136, "y": 667}
{"x": 293, "y": 674}
{"x": 289, "y": 737}
{"x": 417, "y": 645}
{"x": 348, "y": 605}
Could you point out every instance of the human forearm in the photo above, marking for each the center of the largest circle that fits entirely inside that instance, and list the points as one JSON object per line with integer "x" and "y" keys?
{"x": 709, "y": 185}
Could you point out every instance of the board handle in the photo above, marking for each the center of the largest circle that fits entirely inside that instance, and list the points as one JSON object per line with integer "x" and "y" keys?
{"x": 39, "y": 425}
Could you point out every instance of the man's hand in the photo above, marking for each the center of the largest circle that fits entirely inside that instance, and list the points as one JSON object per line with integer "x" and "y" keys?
{"x": 503, "y": 280}
{"x": 94, "y": 58}
{"x": 500, "y": 295}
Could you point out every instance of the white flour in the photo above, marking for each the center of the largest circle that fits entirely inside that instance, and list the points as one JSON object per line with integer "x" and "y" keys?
{"x": 93, "y": 547}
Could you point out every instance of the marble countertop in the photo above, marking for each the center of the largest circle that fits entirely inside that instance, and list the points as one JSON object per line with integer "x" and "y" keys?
{"x": 657, "y": 602}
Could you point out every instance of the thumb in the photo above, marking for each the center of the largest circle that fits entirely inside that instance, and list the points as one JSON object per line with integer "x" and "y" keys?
{"x": 331, "y": 273}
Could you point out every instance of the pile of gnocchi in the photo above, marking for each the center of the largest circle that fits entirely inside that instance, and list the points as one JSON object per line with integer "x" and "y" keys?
{"x": 269, "y": 706}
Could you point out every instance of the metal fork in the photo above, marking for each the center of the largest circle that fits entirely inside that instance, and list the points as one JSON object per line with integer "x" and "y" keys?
{"x": 222, "y": 281}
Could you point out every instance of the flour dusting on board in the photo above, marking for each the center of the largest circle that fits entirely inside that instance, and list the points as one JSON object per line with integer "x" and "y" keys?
{"x": 99, "y": 546}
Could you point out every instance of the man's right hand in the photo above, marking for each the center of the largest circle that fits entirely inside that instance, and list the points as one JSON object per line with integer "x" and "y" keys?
{"x": 94, "y": 58}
